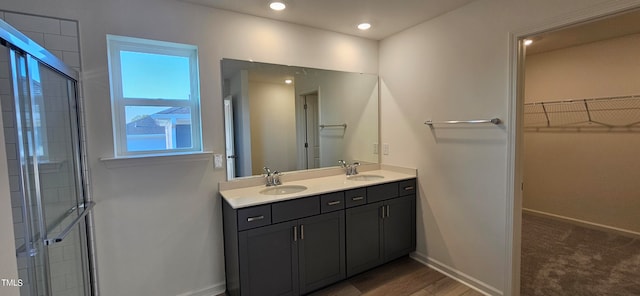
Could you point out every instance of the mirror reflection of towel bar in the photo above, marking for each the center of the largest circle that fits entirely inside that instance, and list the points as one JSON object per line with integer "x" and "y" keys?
{"x": 344, "y": 125}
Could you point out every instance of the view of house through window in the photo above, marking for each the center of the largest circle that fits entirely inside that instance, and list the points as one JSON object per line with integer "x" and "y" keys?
{"x": 155, "y": 101}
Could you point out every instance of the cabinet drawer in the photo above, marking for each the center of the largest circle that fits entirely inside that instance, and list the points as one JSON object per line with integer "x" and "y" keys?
{"x": 332, "y": 202}
{"x": 295, "y": 209}
{"x": 407, "y": 187}
{"x": 382, "y": 192}
{"x": 355, "y": 197}
{"x": 254, "y": 217}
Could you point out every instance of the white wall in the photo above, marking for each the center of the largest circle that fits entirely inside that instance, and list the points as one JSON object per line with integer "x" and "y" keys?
{"x": 457, "y": 66}
{"x": 273, "y": 126}
{"x": 8, "y": 264}
{"x": 158, "y": 225}
{"x": 589, "y": 176}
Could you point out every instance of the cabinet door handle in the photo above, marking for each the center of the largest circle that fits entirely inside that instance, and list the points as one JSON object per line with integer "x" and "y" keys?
{"x": 256, "y": 218}
{"x": 388, "y": 206}
{"x": 409, "y": 188}
{"x": 357, "y": 198}
{"x": 295, "y": 233}
{"x": 333, "y": 203}
{"x": 301, "y": 232}
{"x": 382, "y": 212}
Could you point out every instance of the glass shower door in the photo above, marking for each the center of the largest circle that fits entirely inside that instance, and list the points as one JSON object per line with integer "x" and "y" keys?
{"x": 54, "y": 255}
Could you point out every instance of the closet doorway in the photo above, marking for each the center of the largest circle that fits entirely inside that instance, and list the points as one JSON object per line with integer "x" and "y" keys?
{"x": 581, "y": 135}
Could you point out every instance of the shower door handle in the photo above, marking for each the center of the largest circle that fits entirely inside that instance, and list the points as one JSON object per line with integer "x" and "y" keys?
{"x": 87, "y": 208}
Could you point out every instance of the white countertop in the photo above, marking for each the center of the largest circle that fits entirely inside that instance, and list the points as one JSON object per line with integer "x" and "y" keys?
{"x": 251, "y": 196}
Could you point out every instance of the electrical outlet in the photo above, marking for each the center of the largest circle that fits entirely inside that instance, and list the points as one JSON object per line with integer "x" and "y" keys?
{"x": 385, "y": 148}
{"x": 217, "y": 160}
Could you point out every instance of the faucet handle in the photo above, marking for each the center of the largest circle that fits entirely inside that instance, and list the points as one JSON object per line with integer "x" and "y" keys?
{"x": 267, "y": 170}
{"x": 342, "y": 163}
{"x": 353, "y": 168}
{"x": 276, "y": 178}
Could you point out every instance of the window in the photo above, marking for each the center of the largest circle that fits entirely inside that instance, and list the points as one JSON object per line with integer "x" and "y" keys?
{"x": 155, "y": 100}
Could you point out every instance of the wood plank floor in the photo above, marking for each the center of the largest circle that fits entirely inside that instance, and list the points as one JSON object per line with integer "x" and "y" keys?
{"x": 402, "y": 277}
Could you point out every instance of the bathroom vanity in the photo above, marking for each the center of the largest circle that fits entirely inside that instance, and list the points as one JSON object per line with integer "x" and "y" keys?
{"x": 307, "y": 234}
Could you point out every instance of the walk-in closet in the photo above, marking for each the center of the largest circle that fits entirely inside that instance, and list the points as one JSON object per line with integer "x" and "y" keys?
{"x": 581, "y": 197}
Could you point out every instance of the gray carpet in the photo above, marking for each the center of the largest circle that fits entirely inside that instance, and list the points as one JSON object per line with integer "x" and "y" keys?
{"x": 563, "y": 259}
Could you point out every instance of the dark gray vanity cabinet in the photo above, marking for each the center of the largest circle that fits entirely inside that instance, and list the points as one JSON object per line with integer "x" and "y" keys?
{"x": 399, "y": 227}
{"x": 287, "y": 258}
{"x": 268, "y": 260}
{"x": 364, "y": 237}
{"x": 383, "y": 229}
{"x": 321, "y": 251}
{"x": 297, "y": 246}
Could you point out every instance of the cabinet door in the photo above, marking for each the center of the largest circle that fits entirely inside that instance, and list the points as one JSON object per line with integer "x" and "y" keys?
{"x": 399, "y": 227}
{"x": 269, "y": 260}
{"x": 364, "y": 237}
{"x": 321, "y": 251}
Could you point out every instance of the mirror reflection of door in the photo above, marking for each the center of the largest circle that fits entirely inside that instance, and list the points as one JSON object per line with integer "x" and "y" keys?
{"x": 312, "y": 142}
{"x": 229, "y": 138}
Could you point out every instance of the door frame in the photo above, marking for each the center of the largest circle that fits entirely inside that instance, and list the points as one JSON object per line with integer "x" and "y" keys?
{"x": 230, "y": 145}
{"x": 515, "y": 126}
{"x": 301, "y": 124}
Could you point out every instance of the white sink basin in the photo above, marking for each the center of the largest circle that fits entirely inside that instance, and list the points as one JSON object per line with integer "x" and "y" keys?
{"x": 365, "y": 177}
{"x": 283, "y": 189}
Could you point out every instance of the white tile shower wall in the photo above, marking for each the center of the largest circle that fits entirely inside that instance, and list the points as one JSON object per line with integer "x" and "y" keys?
{"x": 60, "y": 37}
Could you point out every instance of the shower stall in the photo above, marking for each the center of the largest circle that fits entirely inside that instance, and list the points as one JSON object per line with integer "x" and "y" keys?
{"x": 49, "y": 199}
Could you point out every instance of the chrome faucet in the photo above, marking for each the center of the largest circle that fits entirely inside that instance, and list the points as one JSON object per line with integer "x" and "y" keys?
{"x": 350, "y": 169}
{"x": 272, "y": 178}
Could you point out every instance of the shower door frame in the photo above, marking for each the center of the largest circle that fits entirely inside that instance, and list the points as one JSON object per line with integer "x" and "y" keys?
{"x": 20, "y": 45}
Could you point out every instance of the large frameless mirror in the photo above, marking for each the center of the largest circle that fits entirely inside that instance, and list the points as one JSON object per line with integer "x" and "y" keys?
{"x": 296, "y": 118}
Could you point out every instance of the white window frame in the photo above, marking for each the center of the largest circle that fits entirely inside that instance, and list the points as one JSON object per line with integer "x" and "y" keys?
{"x": 116, "y": 44}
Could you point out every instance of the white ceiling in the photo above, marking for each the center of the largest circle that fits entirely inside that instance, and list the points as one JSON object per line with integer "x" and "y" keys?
{"x": 386, "y": 16}
{"x": 619, "y": 25}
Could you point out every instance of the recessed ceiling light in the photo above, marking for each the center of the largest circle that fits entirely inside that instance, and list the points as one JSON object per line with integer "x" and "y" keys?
{"x": 288, "y": 81}
{"x": 528, "y": 42}
{"x": 277, "y": 5}
{"x": 364, "y": 26}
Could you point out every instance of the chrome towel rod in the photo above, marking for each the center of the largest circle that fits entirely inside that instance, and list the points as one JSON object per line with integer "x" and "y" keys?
{"x": 495, "y": 121}
{"x": 344, "y": 125}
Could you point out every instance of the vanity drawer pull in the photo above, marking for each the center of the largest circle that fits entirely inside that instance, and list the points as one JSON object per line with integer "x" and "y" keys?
{"x": 295, "y": 233}
{"x": 256, "y": 218}
{"x": 409, "y": 188}
{"x": 333, "y": 203}
{"x": 357, "y": 198}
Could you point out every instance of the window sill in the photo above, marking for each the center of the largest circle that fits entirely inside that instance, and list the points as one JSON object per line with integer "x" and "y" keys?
{"x": 146, "y": 160}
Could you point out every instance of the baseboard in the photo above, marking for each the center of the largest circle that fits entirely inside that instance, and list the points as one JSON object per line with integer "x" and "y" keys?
{"x": 208, "y": 291}
{"x": 587, "y": 224}
{"x": 457, "y": 275}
